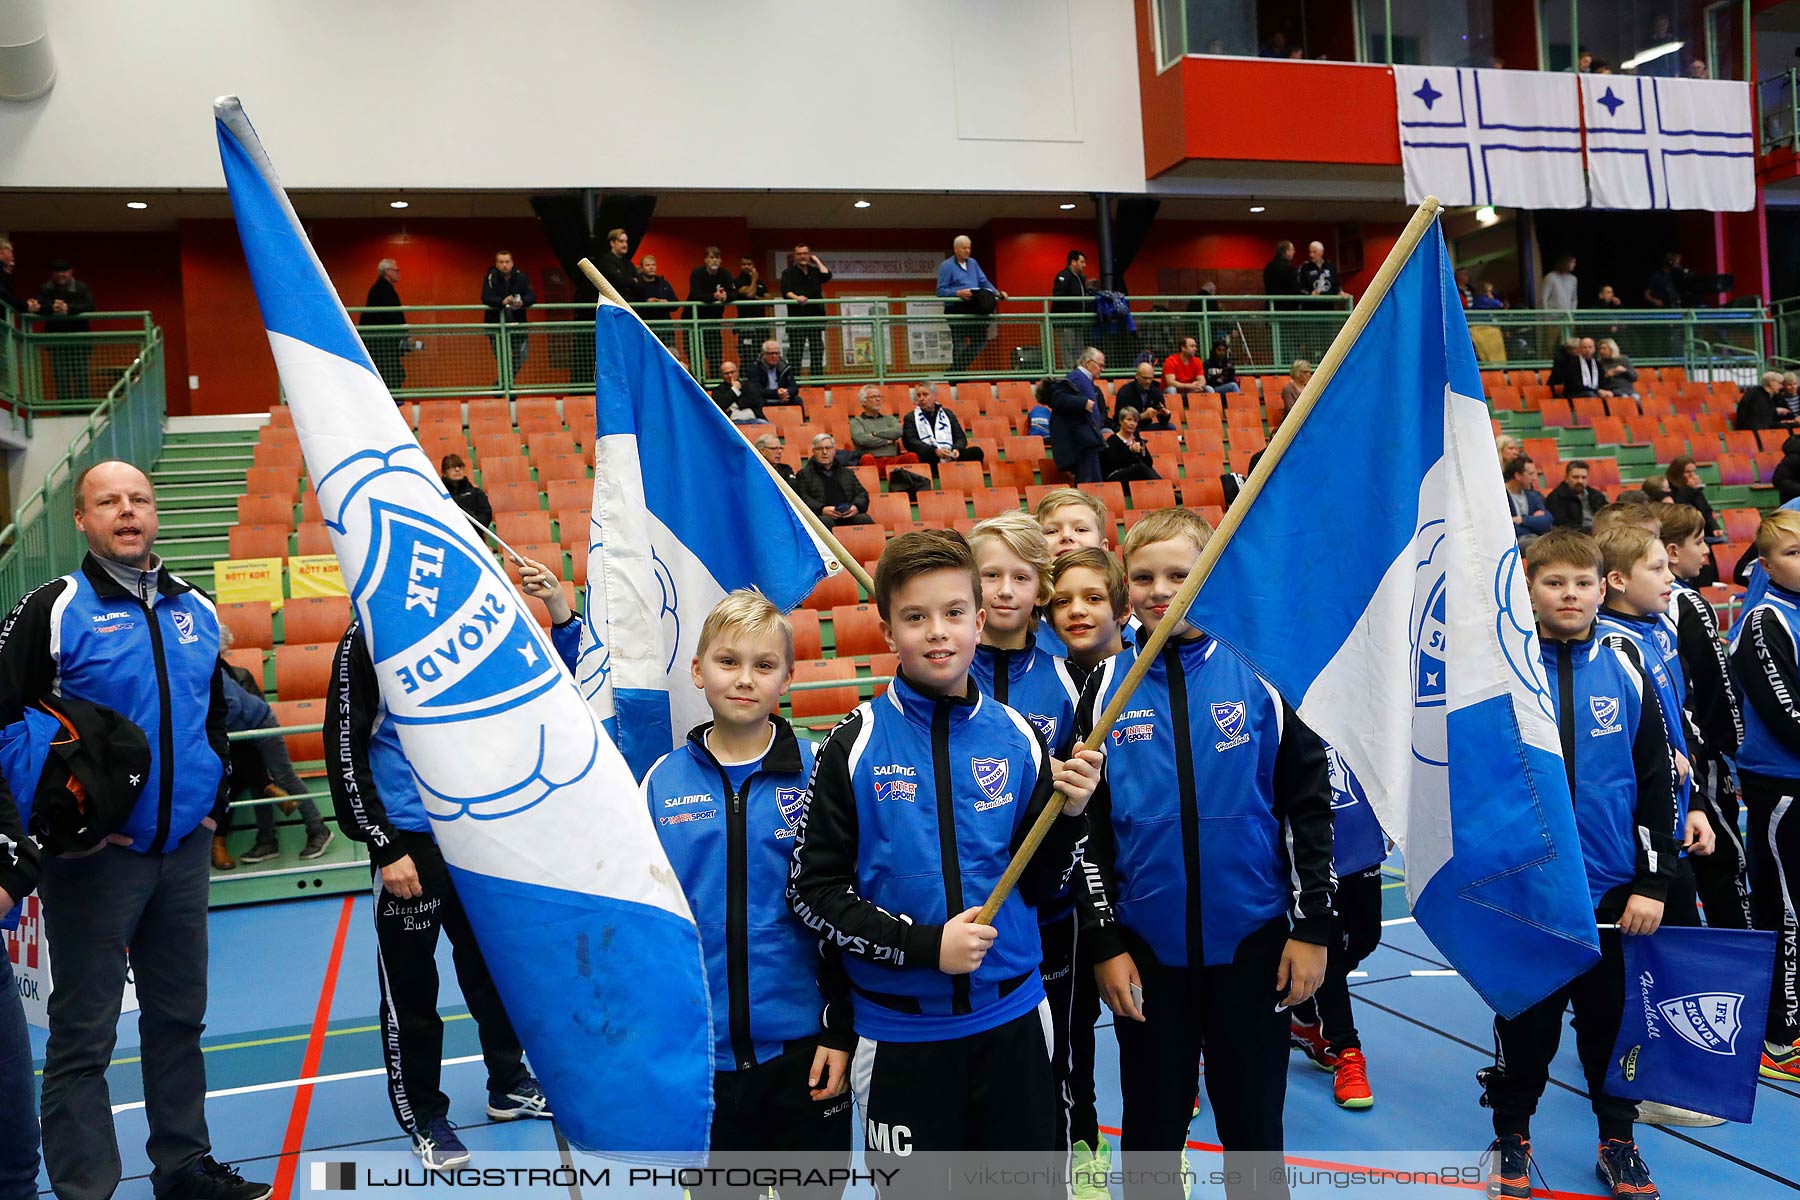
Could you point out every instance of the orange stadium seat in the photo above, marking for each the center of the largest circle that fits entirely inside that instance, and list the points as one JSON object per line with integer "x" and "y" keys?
{"x": 514, "y": 496}
{"x": 315, "y": 619}
{"x": 313, "y": 538}
{"x": 991, "y": 502}
{"x": 833, "y": 590}
{"x": 303, "y": 672}
{"x": 258, "y": 541}
{"x": 250, "y": 622}
{"x": 265, "y": 509}
{"x": 280, "y": 480}
{"x": 302, "y": 747}
{"x": 960, "y": 476}
{"x": 856, "y": 630}
{"x": 861, "y": 541}
{"x": 942, "y": 508}
{"x": 517, "y": 527}
{"x": 810, "y": 703}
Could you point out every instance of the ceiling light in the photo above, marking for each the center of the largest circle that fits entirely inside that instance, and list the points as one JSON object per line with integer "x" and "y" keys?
{"x": 1256, "y": 208}
{"x": 861, "y": 204}
{"x": 1486, "y": 215}
{"x": 1650, "y": 55}
{"x": 1065, "y": 207}
{"x": 136, "y": 204}
{"x": 398, "y": 204}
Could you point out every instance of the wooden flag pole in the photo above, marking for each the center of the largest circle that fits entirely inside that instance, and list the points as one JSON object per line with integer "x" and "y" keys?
{"x": 813, "y": 522}
{"x": 1416, "y": 228}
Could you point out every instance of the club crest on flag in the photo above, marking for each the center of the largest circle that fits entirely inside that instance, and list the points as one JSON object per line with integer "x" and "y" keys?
{"x": 990, "y": 774}
{"x": 1606, "y": 713}
{"x": 791, "y": 801}
{"x": 1517, "y": 631}
{"x": 1709, "y": 1020}
{"x": 1429, "y": 644}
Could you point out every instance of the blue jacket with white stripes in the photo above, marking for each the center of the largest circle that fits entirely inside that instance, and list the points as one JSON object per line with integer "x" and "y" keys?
{"x": 1763, "y": 662}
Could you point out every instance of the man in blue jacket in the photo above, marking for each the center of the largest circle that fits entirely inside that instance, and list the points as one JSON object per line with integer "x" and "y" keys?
{"x": 1531, "y": 519}
{"x": 969, "y": 297}
{"x": 123, "y": 632}
{"x": 1078, "y": 418}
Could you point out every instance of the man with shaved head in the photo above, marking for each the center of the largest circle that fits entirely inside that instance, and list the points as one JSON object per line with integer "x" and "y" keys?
{"x": 1318, "y": 274}
{"x": 123, "y": 632}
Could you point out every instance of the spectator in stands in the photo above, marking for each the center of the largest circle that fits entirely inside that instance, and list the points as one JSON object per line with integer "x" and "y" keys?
{"x": 1655, "y": 490}
{"x": 1790, "y": 393}
{"x": 261, "y": 768}
{"x": 64, "y": 302}
{"x": 657, "y": 302}
{"x": 774, "y": 376}
{"x": 748, "y": 285}
{"x": 1685, "y": 487}
{"x": 8, "y": 297}
{"x": 710, "y": 289}
{"x": 617, "y": 268}
{"x": 1078, "y": 418}
{"x": 1488, "y": 300}
{"x": 769, "y": 446}
{"x": 1697, "y": 69}
{"x": 830, "y": 489}
{"x": 1280, "y": 276}
{"x": 1318, "y": 274}
{"x": 1507, "y": 447}
{"x": 1529, "y": 515}
{"x": 971, "y": 299}
{"x": 1071, "y": 308}
{"x": 933, "y": 433}
{"x": 1183, "y": 372}
{"x": 1586, "y": 62}
{"x": 1298, "y": 376}
{"x": 1787, "y": 472}
{"x": 1467, "y": 293}
{"x": 1572, "y": 503}
{"x": 739, "y": 399}
{"x": 875, "y": 434}
{"x": 1761, "y": 407}
{"x": 1616, "y": 369}
{"x": 471, "y": 499}
{"x": 1558, "y": 289}
{"x": 1608, "y": 298}
{"x": 1145, "y": 394}
{"x": 1038, "y": 419}
{"x": 1660, "y": 287}
{"x": 386, "y": 343}
{"x": 506, "y": 292}
{"x": 1577, "y": 372}
{"x": 1221, "y": 376}
{"x": 1125, "y": 457}
{"x": 803, "y": 284}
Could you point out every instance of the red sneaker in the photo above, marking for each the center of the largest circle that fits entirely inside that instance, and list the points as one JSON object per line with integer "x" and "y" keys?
{"x": 1309, "y": 1039}
{"x": 1350, "y": 1082}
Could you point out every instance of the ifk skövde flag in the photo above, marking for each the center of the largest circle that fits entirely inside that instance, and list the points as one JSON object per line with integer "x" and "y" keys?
{"x": 1394, "y": 617}
{"x": 684, "y": 511}
{"x": 1692, "y": 1031}
{"x": 579, "y": 916}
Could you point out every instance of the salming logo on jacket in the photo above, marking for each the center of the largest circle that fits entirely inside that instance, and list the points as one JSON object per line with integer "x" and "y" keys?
{"x": 153, "y": 662}
{"x": 1214, "y": 817}
{"x": 916, "y": 806}
{"x": 1712, "y": 700}
{"x": 372, "y": 785}
{"x": 1762, "y": 660}
{"x": 1616, "y": 751}
{"x": 731, "y": 848}
{"x": 1649, "y": 643}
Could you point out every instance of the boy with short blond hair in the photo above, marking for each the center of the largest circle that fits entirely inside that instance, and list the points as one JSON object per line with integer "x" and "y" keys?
{"x": 1763, "y": 661}
{"x": 918, "y": 800}
{"x": 1621, "y": 780}
{"x": 1071, "y": 519}
{"x": 1217, "y": 944}
{"x": 726, "y": 806}
{"x": 1620, "y": 513}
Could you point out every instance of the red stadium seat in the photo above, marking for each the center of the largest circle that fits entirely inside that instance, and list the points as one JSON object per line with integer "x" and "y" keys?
{"x": 278, "y": 480}
{"x": 861, "y": 541}
{"x": 303, "y": 672}
{"x": 1740, "y": 525}
{"x": 1609, "y": 431}
{"x": 1556, "y": 414}
{"x": 942, "y": 508}
{"x": 569, "y": 466}
{"x": 833, "y": 590}
{"x": 314, "y": 619}
{"x": 515, "y": 496}
{"x": 517, "y": 527}
{"x": 250, "y": 622}
{"x": 508, "y": 469}
{"x": 892, "y": 511}
{"x": 258, "y": 541}
{"x": 313, "y": 538}
{"x": 251, "y": 660}
{"x": 1153, "y": 493}
{"x": 266, "y": 509}
{"x": 808, "y": 704}
{"x": 569, "y": 493}
{"x": 1021, "y": 474}
{"x": 1735, "y": 470}
{"x": 856, "y": 630}
{"x": 991, "y": 502}
{"x": 303, "y": 748}
{"x": 960, "y": 476}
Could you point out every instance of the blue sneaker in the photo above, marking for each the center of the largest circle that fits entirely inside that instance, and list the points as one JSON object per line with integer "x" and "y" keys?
{"x": 438, "y": 1147}
{"x": 525, "y": 1102}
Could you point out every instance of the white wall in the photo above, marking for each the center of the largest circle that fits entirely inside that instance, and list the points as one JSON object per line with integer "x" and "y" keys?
{"x": 991, "y": 95}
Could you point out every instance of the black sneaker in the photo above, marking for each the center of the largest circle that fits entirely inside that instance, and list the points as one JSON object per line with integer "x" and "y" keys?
{"x": 1622, "y": 1169}
{"x": 1509, "y": 1168}
{"x": 261, "y": 852}
{"x": 213, "y": 1180}
{"x": 316, "y": 842}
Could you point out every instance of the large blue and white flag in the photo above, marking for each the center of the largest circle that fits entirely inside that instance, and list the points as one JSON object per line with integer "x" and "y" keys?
{"x": 1397, "y": 623}
{"x": 684, "y": 512}
{"x": 1510, "y": 138}
{"x": 1669, "y": 143}
{"x": 579, "y": 916}
{"x": 1692, "y": 1030}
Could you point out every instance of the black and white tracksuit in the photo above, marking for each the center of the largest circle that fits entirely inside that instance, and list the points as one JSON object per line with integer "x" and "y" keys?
{"x": 1712, "y": 705}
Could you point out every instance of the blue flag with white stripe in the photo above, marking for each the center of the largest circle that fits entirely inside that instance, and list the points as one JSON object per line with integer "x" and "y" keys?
{"x": 579, "y": 916}
{"x": 1376, "y": 582}
{"x": 685, "y": 510}
{"x": 1692, "y": 1030}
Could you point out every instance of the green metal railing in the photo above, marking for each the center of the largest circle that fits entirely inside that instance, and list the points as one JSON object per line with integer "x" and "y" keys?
{"x": 1778, "y": 111}
{"x": 906, "y": 338}
{"x": 42, "y": 542}
{"x": 44, "y": 372}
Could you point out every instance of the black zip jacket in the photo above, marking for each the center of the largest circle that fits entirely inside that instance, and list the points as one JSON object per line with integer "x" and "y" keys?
{"x": 1712, "y": 699}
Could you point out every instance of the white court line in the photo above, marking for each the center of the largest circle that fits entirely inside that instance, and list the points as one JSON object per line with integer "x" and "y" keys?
{"x": 1397, "y": 921}
{"x": 290, "y": 1083}
{"x": 1432, "y": 974}
{"x": 1357, "y": 975}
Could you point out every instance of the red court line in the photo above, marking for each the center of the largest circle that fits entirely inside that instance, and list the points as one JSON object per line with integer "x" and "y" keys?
{"x": 1322, "y": 1164}
{"x": 315, "y": 1047}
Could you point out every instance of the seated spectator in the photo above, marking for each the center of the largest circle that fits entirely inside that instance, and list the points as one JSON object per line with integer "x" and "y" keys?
{"x": 1787, "y": 471}
{"x": 1183, "y": 372}
{"x": 769, "y": 446}
{"x": 1463, "y": 290}
{"x": 1577, "y": 372}
{"x": 1572, "y": 503}
{"x": 1507, "y": 447}
{"x": 1124, "y": 457}
{"x": 1616, "y": 369}
{"x": 830, "y": 489}
{"x": 1487, "y": 300}
{"x": 261, "y": 769}
{"x": 740, "y": 399}
{"x": 1656, "y": 490}
{"x": 1608, "y": 298}
{"x": 876, "y": 434}
{"x": 1683, "y": 477}
{"x": 462, "y": 489}
{"x": 1221, "y": 376}
{"x": 1790, "y": 393}
{"x": 1529, "y": 516}
{"x": 1298, "y": 375}
{"x": 1143, "y": 393}
{"x": 1761, "y": 406}
{"x": 1039, "y": 417}
{"x": 933, "y": 433}
{"x": 774, "y": 377}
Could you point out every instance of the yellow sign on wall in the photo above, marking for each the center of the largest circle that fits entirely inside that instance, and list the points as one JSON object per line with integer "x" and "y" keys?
{"x": 315, "y": 575}
{"x": 238, "y": 579}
